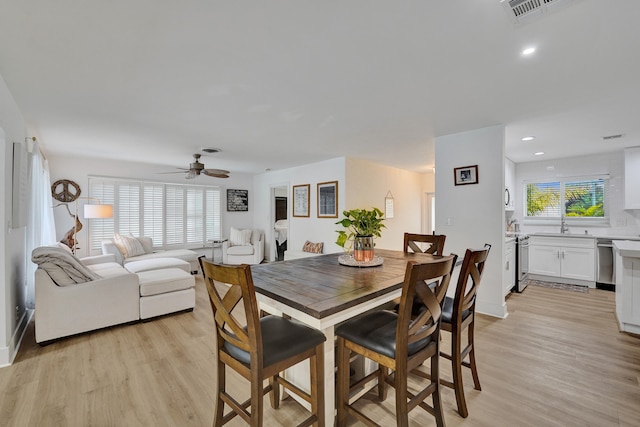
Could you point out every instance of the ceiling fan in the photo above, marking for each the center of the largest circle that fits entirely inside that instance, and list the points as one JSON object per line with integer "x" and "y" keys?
{"x": 196, "y": 168}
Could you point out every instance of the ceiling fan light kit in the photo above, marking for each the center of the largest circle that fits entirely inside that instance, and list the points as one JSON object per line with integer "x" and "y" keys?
{"x": 196, "y": 169}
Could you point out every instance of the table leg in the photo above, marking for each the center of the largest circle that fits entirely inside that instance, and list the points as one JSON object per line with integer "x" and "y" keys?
{"x": 329, "y": 377}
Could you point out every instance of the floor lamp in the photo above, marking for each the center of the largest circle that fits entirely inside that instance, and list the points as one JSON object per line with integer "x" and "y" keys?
{"x": 98, "y": 211}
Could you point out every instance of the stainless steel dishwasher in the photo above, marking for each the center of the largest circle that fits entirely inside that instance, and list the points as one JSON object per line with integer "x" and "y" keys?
{"x": 606, "y": 274}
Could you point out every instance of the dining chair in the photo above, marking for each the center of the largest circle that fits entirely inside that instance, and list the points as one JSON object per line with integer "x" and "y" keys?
{"x": 435, "y": 241}
{"x": 398, "y": 343}
{"x": 458, "y": 314}
{"x": 259, "y": 348}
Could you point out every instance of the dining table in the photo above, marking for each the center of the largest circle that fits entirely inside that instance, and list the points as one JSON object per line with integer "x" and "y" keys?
{"x": 322, "y": 292}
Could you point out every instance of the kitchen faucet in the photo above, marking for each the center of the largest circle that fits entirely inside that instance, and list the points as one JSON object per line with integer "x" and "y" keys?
{"x": 563, "y": 225}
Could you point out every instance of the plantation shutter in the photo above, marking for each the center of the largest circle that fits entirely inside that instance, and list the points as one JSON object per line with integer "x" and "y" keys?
{"x": 153, "y": 213}
{"x": 101, "y": 228}
{"x": 128, "y": 213}
{"x": 175, "y": 210}
{"x": 195, "y": 218}
{"x": 212, "y": 214}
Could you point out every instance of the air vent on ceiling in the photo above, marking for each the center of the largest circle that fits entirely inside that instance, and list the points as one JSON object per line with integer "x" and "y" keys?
{"x": 610, "y": 137}
{"x": 525, "y": 10}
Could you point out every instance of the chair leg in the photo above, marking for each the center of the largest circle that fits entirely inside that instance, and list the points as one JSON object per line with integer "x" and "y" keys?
{"x": 382, "y": 384}
{"x": 257, "y": 399}
{"x": 219, "y": 408}
{"x": 402, "y": 410}
{"x": 456, "y": 367}
{"x": 316, "y": 368}
{"x": 472, "y": 357}
{"x": 274, "y": 395}
{"x": 342, "y": 392}
{"x": 435, "y": 379}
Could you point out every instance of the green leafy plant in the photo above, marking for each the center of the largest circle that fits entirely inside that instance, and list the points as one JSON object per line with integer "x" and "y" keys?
{"x": 360, "y": 222}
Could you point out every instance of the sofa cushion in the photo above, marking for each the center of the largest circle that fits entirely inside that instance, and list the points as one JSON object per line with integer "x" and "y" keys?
{"x": 147, "y": 244}
{"x": 239, "y": 237}
{"x": 240, "y": 250}
{"x": 157, "y": 264}
{"x": 157, "y": 282}
{"x": 183, "y": 254}
{"x": 108, "y": 269}
{"x": 128, "y": 245}
{"x": 63, "y": 267}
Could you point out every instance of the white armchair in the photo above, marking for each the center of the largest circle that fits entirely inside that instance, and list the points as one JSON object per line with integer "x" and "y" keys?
{"x": 243, "y": 247}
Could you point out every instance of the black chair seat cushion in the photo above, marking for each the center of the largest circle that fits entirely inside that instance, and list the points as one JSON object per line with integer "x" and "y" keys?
{"x": 377, "y": 331}
{"x": 281, "y": 339}
{"x": 447, "y": 311}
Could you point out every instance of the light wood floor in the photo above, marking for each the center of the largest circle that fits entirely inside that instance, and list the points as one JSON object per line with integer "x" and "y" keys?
{"x": 557, "y": 360}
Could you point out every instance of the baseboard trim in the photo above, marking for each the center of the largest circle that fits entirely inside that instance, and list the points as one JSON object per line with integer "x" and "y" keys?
{"x": 8, "y": 354}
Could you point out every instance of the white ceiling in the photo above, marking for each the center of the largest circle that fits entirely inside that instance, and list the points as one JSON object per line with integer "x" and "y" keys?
{"x": 280, "y": 83}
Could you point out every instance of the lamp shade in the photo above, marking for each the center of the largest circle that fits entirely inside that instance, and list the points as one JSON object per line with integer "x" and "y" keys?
{"x": 98, "y": 211}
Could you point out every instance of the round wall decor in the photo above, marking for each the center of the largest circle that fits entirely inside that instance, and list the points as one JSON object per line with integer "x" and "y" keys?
{"x": 65, "y": 190}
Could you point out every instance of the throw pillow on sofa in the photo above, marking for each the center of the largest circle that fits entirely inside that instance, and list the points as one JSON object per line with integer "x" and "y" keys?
{"x": 128, "y": 245}
{"x": 240, "y": 237}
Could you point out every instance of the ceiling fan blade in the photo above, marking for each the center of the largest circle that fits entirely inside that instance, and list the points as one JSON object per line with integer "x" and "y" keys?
{"x": 164, "y": 173}
{"x": 218, "y": 171}
{"x": 211, "y": 173}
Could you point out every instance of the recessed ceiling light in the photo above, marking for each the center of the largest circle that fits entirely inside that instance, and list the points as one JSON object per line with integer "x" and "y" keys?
{"x": 539, "y": 153}
{"x": 528, "y": 138}
{"x": 529, "y": 51}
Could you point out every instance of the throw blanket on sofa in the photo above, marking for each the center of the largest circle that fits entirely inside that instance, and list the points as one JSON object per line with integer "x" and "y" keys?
{"x": 63, "y": 267}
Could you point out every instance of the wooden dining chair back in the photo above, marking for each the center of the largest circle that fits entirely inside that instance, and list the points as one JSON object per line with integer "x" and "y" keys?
{"x": 258, "y": 348}
{"x": 458, "y": 314}
{"x": 435, "y": 241}
{"x": 398, "y": 342}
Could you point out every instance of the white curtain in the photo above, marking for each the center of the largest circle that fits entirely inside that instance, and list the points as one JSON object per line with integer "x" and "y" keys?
{"x": 41, "y": 228}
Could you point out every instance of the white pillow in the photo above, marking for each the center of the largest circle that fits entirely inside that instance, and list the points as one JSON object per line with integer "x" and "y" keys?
{"x": 240, "y": 237}
{"x": 129, "y": 246}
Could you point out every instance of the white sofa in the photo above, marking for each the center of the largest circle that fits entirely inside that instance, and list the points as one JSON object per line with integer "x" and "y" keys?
{"x": 67, "y": 304}
{"x": 109, "y": 247}
{"x": 243, "y": 251}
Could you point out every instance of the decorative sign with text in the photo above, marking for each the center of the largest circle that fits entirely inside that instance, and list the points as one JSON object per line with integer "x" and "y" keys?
{"x": 237, "y": 200}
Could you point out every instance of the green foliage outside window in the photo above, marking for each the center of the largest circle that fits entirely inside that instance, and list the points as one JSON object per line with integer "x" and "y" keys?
{"x": 579, "y": 199}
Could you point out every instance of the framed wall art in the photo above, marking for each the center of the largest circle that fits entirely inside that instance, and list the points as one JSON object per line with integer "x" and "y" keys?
{"x": 465, "y": 175}
{"x": 301, "y": 200}
{"x": 237, "y": 200}
{"x": 328, "y": 199}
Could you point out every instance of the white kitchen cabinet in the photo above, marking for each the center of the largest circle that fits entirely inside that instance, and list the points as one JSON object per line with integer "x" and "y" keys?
{"x": 509, "y": 272}
{"x": 510, "y": 184}
{"x": 632, "y": 178}
{"x": 627, "y": 264}
{"x": 563, "y": 258}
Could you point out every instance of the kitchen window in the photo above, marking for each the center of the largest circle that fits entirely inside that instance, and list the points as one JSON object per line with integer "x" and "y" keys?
{"x": 581, "y": 200}
{"x": 173, "y": 215}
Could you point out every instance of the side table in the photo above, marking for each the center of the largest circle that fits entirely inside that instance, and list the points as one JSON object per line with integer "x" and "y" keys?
{"x": 216, "y": 246}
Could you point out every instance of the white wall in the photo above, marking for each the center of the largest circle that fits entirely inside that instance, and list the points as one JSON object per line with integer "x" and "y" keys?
{"x": 623, "y": 223}
{"x": 361, "y": 184}
{"x": 367, "y": 186}
{"x": 78, "y": 170}
{"x": 13, "y": 314}
{"x": 472, "y": 215}
{"x": 300, "y": 229}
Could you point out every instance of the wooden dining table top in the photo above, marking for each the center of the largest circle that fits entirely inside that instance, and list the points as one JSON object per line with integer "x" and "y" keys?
{"x": 320, "y": 286}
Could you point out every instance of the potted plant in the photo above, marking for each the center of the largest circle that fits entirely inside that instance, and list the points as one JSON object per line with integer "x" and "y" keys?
{"x": 362, "y": 225}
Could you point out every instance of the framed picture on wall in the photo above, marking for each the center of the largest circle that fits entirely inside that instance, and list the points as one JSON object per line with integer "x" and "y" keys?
{"x": 237, "y": 200}
{"x": 328, "y": 199}
{"x": 465, "y": 175}
{"x": 301, "y": 200}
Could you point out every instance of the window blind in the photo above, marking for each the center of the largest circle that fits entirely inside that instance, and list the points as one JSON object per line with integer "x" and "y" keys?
{"x": 172, "y": 215}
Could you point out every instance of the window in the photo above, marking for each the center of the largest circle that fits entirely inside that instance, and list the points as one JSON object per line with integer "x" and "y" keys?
{"x": 173, "y": 215}
{"x": 580, "y": 200}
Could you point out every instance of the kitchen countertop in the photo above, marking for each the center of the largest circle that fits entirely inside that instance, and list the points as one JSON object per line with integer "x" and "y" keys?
{"x": 627, "y": 248}
{"x": 592, "y": 236}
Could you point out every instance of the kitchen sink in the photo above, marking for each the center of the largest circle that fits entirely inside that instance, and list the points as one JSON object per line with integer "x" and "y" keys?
{"x": 590, "y": 236}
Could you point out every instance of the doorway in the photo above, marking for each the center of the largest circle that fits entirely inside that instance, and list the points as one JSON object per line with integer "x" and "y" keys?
{"x": 280, "y": 221}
